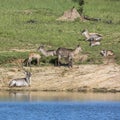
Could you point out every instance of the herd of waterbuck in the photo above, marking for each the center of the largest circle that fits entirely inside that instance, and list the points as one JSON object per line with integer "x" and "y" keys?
{"x": 61, "y": 52}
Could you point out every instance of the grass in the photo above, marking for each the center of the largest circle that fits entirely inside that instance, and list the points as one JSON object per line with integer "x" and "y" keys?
{"x": 9, "y": 57}
{"x": 17, "y": 32}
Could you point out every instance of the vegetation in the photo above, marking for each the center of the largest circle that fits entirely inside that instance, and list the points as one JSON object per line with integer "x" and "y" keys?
{"x": 81, "y": 3}
{"x": 25, "y": 24}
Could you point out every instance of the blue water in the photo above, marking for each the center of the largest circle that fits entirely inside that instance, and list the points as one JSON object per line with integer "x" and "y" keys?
{"x": 60, "y": 110}
{"x": 59, "y": 106}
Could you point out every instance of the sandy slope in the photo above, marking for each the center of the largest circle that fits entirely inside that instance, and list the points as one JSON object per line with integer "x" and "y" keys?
{"x": 100, "y": 78}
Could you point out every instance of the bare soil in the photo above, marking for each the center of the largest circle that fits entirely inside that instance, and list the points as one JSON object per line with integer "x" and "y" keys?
{"x": 80, "y": 78}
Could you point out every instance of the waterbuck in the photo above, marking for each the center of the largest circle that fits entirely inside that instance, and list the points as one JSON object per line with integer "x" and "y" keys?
{"x": 46, "y": 52}
{"x": 94, "y": 43}
{"x": 106, "y": 53}
{"x": 67, "y": 53}
{"x": 21, "y": 82}
{"x": 108, "y": 56}
{"x": 33, "y": 56}
{"x": 91, "y": 36}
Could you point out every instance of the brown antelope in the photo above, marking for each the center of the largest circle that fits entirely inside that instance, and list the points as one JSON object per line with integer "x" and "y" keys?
{"x": 67, "y": 53}
{"x": 46, "y": 52}
{"x": 106, "y": 53}
{"x": 33, "y": 56}
{"x": 91, "y": 36}
{"x": 21, "y": 82}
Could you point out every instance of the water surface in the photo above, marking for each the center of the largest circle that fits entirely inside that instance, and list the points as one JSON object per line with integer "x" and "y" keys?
{"x": 59, "y": 106}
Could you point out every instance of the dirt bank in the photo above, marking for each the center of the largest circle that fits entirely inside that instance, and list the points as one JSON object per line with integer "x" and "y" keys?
{"x": 96, "y": 78}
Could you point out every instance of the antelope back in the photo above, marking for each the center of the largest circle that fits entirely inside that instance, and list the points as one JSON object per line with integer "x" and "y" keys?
{"x": 110, "y": 53}
{"x": 63, "y": 52}
{"x": 34, "y": 55}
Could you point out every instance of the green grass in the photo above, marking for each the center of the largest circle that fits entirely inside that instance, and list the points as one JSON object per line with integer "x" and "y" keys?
{"x": 9, "y": 57}
{"x": 105, "y": 9}
{"x": 16, "y": 32}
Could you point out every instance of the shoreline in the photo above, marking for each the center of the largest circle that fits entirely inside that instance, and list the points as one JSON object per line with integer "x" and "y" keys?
{"x": 80, "y": 78}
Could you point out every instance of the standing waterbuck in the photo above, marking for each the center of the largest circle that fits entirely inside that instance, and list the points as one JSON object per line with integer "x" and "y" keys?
{"x": 67, "y": 53}
{"x": 33, "y": 56}
{"x": 21, "y": 82}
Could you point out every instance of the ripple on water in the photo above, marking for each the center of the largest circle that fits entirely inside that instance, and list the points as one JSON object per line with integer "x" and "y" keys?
{"x": 60, "y": 110}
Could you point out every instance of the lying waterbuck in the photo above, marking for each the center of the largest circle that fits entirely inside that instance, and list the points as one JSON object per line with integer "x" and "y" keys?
{"x": 91, "y": 36}
{"x": 106, "y": 53}
{"x": 33, "y": 56}
{"x": 108, "y": 56}
{"x": 67, "y": 53}
{"x": 21, "y": 82}
{"x": 94, "y": 43}
{"x": 46, "y": 52}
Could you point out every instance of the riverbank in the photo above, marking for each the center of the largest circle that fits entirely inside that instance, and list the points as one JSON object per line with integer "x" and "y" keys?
{"x": 80, "y": 78}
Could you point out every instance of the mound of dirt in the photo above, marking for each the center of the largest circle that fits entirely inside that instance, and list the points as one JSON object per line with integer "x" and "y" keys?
{"x": 70, "y": 15}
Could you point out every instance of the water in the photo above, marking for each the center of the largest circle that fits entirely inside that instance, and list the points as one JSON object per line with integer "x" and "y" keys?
{"x": 59, "y": 106}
